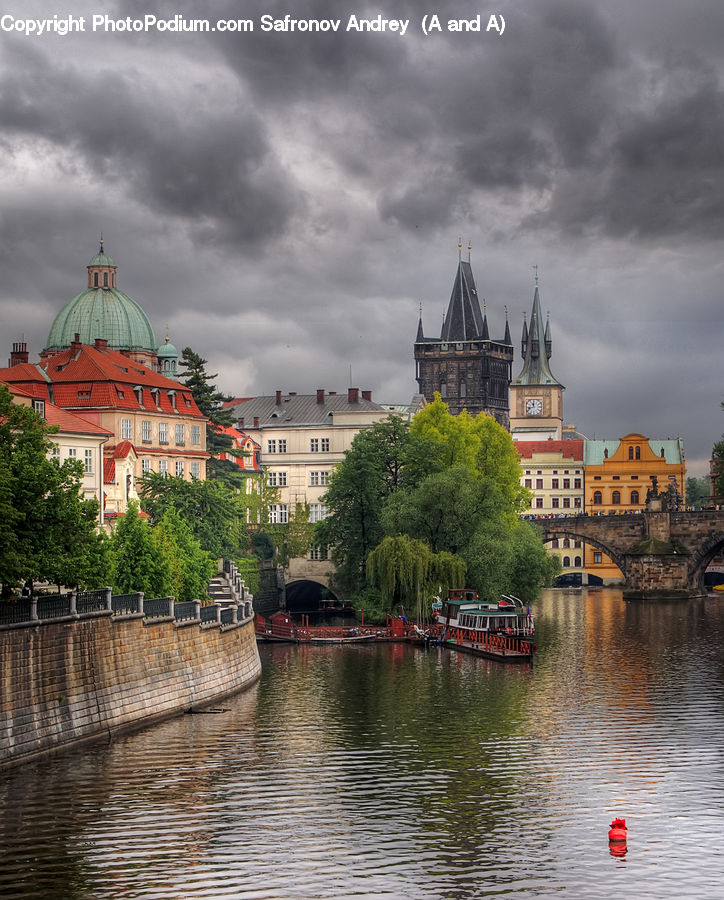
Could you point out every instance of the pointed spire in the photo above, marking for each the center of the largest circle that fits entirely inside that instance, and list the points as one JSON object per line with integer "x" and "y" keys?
{"x": 548, "y": 341}
{"x": 420, "y": 334}
{"x": 463, "y": 320}
{"x": 485, "y": 333}
{"x": 537, "y": 345}
{"x": 507, "y": 339}
{"x": 524, "y": 338}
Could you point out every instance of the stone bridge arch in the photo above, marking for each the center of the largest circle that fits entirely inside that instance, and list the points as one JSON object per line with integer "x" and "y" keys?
{"x": 704, "y": 553}
{"x": 550, "y": 532}
{"x": 309, "y": 594}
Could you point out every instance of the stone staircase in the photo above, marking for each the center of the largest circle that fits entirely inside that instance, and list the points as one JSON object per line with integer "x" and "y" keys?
{"x": 220, "y": 590}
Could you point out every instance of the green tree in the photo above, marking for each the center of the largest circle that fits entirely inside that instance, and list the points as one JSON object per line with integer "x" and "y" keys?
{"x": 210, "y": 402}
{"x": 191, "y": 567}
{"x": 698, "y": 491}
{"x": 49, "y": 531}
{"x": 370, "y": 472}
{"x": 406, "y": 572}
{"x": 293, "y": 538}
{"x": 717, "y": 457}
{"x": 213, "y": 510}
{"x": 140, "y": 562}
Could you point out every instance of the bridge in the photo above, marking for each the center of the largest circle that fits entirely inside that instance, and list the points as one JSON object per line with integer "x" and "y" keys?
{"x": 660, "y": 552}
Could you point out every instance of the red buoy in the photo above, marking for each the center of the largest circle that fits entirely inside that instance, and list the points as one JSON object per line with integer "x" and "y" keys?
{"x": 617, "y": 832}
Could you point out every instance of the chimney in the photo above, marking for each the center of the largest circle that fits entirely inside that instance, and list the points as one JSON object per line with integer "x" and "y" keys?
{"x": 367, "y": 395}
{"x": 19, "y": 354}
{"x": 101, "y": 344}
{"x": 320, "y": 395}
{"x": 76, "y": 344}
{"x": 256, "y": 421}
{"x": 353, "y": 395}
{"x": 279, "y": 397}
{"x": 240, "y": 423}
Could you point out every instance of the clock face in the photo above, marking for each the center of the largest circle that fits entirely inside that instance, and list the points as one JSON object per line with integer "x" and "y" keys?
{"x": 534, "y": 407}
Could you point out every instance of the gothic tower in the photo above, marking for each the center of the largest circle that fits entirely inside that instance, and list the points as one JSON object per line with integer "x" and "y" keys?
{"x": 536, "y": 398}
{"x": 464, "y": 365}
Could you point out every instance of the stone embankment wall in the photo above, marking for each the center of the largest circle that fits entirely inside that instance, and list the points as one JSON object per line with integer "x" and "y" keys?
{"x": 64, "y": 682}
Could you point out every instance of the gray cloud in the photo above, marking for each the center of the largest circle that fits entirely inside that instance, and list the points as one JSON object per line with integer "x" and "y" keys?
{"x": 285, "y": 201}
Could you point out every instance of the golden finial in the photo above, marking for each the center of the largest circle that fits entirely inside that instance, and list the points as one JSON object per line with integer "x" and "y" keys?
{"x": 167, "y": 337}
{"x": 460, "y": 247}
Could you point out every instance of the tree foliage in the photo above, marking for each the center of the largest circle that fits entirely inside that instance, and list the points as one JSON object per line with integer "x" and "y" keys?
{"x": 370, "y": 472}
{"x": 48, "y": 530}
{"x": 210, "y": 402}
{"x": 140, "y": 562}
{"x": 214, "y": 511}
{"x": 191, "y": 567}
{"x": 717, "y": 457}
{"x": 444, "y": 492}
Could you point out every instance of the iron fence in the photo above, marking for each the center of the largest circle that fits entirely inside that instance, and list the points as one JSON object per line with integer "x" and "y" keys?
{"x": 90, "y": 601}
{"x": 54, "y": 607}
{"x": 157, "y": 608}
{"x": 184, "y": 612}
{"x": 125, "y": 604}
{"x": 15, "y": 611}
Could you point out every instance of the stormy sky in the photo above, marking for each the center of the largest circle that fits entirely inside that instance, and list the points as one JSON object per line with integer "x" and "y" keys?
{"x": 284, "y": 201}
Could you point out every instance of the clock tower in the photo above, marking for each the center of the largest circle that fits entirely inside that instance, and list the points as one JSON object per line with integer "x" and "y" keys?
{"x": 536, "y": 398}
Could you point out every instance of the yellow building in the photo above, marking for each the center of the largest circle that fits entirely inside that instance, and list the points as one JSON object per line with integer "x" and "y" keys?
{"x": 618, "y": 476}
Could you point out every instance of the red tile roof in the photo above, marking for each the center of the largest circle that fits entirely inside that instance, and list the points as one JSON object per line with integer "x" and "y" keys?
{"x": 67, "y": 422}
{"x": 109, "y": 471}
{"x": 570, "y": 449}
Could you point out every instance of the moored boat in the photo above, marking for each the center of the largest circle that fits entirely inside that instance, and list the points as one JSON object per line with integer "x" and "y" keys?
{"x": 502, "y": 630}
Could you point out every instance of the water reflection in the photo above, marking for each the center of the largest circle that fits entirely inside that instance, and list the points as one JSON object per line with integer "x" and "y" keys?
{"x": 391, "y": 771}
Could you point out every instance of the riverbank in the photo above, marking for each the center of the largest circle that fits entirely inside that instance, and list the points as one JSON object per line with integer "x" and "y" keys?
{"x": 82, "y": 677}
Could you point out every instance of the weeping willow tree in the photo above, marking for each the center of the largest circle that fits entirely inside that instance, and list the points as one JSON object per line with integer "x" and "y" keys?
{"x": 405, "y": 569}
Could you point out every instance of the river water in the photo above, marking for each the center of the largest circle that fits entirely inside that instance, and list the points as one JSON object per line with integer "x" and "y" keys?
{"x": 390, "y": 771}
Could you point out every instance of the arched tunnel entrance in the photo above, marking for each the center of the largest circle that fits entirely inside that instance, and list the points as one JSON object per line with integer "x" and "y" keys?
{"x": 305, "y": 597}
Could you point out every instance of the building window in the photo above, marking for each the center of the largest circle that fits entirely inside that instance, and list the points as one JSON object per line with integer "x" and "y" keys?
{"x": 555, "y": 502}
{"x": 314, "y": 445}
{"x": 597, "y": 498}
{"x": 163, "y": 466}
{"x": 566, "y": 543}
{"x": 566, "y": 484}
{"x": 179, "y": 468}
{"x": 271, "y": 446}
{"x": 539, "y": 503}
{"x": 529, "y": 483}
{"x": 324, "y": 445}
{"x": 555, "y": 544}
{"x": 554, "y": 484}
{"x": 566, "y": 503}
{"x": 126, "y": 430}
{"x": 105, "y": 279}
{"x": 72, "y": 453}
{"x": 318, "y": 478}
{"x": 576, "y": 484}
{"x": 577, "y": 562}
{"x": 180, "y": 434}
{"x": 317, "y": 512}
{"x": 597, "y": 557}
{"x": 196, "y": 470}
{"x": 576, "y": 502}
{"x": 88, "y": 462}
{"x": 443, "y": 390}
{"x": 539, "y": 484}
{"x": 616, "y": 498}
{"x": 566, "y": 562}
{"x": 317, "y": 553}
{"x": 634, "y": 497}
{"x": 630, "y": 452}
{"x": 282, "y": 446}
{"x": 55, "y": 453}
{"x": 163, "y": 432}
{"x": 95, "y": 279}
{"x": 463, "y": 389}
{"x": 278, "y": 514}
{"x": 146, "y": 432}
{"x": 638, "y": 453}
{"x": 195, "y": 434}
{"x": 145, "y": 466}
{"x": 277, "y": 479}
{"x": 39, "y": 408}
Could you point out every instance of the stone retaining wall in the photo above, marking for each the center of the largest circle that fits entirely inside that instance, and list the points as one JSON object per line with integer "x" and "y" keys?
{"x": 64, "y": 682}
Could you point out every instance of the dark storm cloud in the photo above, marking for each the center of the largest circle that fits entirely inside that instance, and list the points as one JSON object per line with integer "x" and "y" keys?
{"x": 215, "y": 168}
{"x": 285, "y": 201}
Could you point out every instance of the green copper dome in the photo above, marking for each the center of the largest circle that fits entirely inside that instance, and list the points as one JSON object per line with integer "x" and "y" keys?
{"x": 102, "y": 311}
